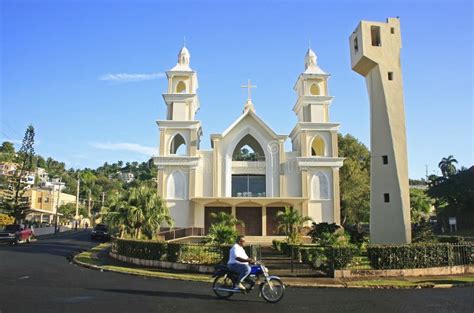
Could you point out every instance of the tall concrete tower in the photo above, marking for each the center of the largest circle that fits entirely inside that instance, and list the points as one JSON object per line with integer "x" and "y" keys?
{"x": 375, "y": 54}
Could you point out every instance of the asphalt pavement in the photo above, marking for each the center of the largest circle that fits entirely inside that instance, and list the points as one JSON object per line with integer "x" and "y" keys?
{"x": 39, "y": 277}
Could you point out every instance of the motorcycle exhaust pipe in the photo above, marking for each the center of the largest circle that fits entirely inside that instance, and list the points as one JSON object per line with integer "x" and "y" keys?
{"x": 229, "y": 290}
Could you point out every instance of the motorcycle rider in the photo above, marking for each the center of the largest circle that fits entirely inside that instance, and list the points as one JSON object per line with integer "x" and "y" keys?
{"x": 239, "y": 261}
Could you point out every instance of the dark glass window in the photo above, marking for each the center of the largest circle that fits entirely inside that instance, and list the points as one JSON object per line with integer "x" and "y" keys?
{"x": 386, "y": 197}
{"x": 385, "y": 159}
{"x": 248, "y": 185}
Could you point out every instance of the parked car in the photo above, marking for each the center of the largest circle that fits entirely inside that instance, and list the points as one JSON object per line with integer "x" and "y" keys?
{"x": 100, "y": 231}
{"x": 15, "y": 234}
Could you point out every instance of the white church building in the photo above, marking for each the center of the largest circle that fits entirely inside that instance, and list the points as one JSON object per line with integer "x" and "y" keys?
{"x": 247, "y": 171}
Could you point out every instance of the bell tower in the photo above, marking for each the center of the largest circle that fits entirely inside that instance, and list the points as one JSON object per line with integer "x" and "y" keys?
{"x": 180, "y": 133}
{"x": 314, "y": 138}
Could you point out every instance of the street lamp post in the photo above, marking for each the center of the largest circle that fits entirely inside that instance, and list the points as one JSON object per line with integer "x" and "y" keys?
{"x": 57, "y": 205}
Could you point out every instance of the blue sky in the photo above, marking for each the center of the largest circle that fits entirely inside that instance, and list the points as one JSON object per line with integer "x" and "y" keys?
{"x": 89, "y": 74}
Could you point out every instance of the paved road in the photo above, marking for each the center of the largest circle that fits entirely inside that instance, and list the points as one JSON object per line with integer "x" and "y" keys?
{"x": 39, "y": 278}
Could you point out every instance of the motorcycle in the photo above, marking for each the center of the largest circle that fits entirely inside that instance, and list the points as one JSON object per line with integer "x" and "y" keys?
{"x": 271, "y": 288}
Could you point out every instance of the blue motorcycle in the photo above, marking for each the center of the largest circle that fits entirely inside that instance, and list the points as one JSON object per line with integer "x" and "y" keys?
{"x": 271, "y": 288}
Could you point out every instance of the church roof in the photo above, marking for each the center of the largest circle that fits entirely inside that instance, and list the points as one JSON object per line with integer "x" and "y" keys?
{"x": 254, "y": 116}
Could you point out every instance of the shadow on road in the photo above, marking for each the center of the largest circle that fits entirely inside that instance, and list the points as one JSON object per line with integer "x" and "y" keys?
{"x": 168, "y": 294}
{"x": 62, "y": 246}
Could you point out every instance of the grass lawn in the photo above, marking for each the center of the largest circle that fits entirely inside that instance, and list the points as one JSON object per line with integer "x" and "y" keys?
{"x": 97, "y": 256}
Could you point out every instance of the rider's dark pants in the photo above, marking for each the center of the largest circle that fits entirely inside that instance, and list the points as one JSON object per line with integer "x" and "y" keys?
{"x": 242, "y": 269}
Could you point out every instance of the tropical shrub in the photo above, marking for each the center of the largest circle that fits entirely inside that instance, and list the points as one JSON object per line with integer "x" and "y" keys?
{"x": 290, "y": 222}
{"x": 223, "y": 229}
{"x": 326, "y": 234}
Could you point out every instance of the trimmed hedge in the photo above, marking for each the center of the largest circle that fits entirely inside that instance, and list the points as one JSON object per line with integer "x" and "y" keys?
{"x": 451, "y": 239}
{"x": 319, "y": 257}
{"x": 141, "y": 249}
{"x": 419, "y": 255}
{"x": 175, "y": 252}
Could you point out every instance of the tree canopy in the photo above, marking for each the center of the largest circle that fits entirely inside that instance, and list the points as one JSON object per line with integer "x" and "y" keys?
{"x": 354, "y": 180}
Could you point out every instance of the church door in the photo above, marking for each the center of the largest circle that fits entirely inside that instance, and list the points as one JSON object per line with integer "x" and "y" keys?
{"x": 272, "y": 221}
{"x": 252, "y": 217}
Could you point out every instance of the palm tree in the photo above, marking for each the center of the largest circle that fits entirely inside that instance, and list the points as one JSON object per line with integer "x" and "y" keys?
{"x": 291, "y": 222}
{"x": 447, "y": 166}
{"x": 140, "y": 210}
{"x": 120, "y": 218}
{"x": 225, "y": 219}
{"x": 222, "y": 230}
{"x": 148, "y": 211}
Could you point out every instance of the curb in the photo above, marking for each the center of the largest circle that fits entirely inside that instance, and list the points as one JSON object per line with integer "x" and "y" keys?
{"x": 101, "y": 269}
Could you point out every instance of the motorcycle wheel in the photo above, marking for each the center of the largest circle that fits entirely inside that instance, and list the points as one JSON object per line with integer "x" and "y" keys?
{"x": 223, "y": 281}
{"x": 272, "y": 291}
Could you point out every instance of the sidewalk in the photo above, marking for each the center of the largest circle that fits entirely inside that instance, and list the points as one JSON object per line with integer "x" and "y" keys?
{"x": 97, "y": 258}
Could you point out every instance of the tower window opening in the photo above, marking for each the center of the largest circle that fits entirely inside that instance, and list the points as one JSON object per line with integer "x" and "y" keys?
{"x": 356, "y": 44}
{"x": 178, "y": 145}
{"x": 390, "y": 75}
{"x": 318, "y": 147}
{"x": 181, "y": 87}
{"x": 385, "y": 159}
{"x": 386, "y": 197}
{"x": 392, "y": 30}
{"x": 375, "y": 34}
{"x": 314, "y": 90}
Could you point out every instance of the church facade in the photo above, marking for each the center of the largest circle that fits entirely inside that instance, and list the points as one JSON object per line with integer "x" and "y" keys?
{"x": 247, "y": 172}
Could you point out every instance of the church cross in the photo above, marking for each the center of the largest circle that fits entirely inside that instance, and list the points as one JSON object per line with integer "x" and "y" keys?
{"x": 249, "y": 87}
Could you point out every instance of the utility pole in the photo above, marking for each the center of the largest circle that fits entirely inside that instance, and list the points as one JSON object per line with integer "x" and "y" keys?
{"x": 77, "y": 196}
{"x": 89, "y": 204}
{"x": 57, "y": 205}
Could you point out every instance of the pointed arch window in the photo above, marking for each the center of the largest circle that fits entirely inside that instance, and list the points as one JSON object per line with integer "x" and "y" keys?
{"x": 178, "y": 145}
{"x": 176, "y": 187}
{"x": 248, "y": 149}
{"x": 318, "y": 147}
{"x": 319, "y": 186}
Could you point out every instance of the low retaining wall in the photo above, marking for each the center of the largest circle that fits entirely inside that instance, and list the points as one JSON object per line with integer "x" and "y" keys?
{"x": 195, "y": 268}
{"x": 431, "y": 271}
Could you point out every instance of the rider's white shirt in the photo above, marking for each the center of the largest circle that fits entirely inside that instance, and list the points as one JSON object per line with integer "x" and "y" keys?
{"x": 237, "y": 252}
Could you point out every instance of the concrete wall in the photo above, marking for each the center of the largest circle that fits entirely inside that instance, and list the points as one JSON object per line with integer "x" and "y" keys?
{"x": 181, "y": 212}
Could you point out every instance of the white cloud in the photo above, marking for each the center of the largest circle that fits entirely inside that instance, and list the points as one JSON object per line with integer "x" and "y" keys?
{"x": 126, "y": 77}
{"x": 126, "y": 146}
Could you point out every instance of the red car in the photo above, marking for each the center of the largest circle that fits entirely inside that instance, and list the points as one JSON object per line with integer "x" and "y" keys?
{"x": 15, "y": 234}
